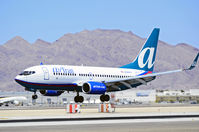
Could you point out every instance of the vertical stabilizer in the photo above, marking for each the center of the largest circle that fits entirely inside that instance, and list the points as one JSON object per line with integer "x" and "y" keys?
{"x": 146, "y": 57}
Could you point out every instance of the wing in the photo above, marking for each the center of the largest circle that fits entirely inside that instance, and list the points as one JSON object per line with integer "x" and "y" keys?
{"x": 6, "y": 100}
{"x": 132, "y": 82}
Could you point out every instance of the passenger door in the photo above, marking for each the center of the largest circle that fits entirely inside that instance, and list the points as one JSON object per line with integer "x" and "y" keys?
{"x": 46, "y": 73}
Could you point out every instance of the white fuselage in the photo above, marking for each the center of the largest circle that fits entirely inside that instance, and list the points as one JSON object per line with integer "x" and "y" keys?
{"x": 56, "y": 76}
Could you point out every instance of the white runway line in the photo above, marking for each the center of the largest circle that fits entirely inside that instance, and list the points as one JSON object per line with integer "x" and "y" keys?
{"x": 88, "y": 122}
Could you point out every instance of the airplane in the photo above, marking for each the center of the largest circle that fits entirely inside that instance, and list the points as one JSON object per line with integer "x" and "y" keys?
{"x": 53, "y": 80}
{"x": 16, "y": 100}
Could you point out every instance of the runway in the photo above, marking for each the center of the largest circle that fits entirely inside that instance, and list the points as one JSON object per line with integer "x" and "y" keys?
{"x": 97, "y": 118}
{"x": 130, "y": 125}
{"x": 151, "y": 119}
{"x": 124, "y": 127}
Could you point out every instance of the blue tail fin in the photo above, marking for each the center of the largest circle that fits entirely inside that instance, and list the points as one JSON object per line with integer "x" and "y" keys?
{"x": 146, "y": 57}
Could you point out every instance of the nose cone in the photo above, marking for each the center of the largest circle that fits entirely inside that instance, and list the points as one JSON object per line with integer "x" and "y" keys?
{"x": 19, "y": 79}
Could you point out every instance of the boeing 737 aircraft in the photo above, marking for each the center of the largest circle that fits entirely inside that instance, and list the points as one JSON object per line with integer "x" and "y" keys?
{"x": 53, "y": 80}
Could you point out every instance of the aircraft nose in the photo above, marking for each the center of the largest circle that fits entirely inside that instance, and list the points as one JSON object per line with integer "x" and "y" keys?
{"x": 20, "y": 80}
{"x": 17, "y": 78}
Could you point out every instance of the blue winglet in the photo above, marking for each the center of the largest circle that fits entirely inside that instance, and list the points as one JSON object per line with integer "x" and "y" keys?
{"x": 193, "y": 65}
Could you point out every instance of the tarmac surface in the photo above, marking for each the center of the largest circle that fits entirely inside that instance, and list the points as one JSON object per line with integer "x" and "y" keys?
{"x": 164, "y": 119}
{"x": 93, "y": 112}
{"x": 171, "y": 125}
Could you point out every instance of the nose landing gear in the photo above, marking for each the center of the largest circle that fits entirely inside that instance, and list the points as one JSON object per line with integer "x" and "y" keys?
{"x": 34, "y": 96}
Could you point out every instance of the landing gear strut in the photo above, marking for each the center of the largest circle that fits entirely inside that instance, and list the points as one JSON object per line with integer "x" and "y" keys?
{"x": 78, "y": 98}
{"x": 105, "y": 97}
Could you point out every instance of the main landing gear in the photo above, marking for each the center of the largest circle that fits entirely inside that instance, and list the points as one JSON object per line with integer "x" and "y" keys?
{"x": 79, "y": 99}
{"x": 105, "y": 97}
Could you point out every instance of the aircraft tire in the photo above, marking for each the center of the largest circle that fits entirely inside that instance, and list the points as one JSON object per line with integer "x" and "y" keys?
{"x": 102, "y": 98}
{"x": 79, "y": 99}
{"x": 106, "y": 97}
{"x": 76, "y": 99}
{"x": 34, "y": 96}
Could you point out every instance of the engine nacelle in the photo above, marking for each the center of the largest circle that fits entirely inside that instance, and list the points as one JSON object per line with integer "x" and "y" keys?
{"x": 51, "y": 92}
{"x": 16, "y": 103}
{"x": 94, "y": 88}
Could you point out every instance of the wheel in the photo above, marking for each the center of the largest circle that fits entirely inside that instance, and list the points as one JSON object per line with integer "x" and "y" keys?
{"x": 76, "y": 99}
{"x": 81, "y": 99}
{"x": 102, "y": 98}
{"x": 107, "y": 97}
{"x": 34, "y": 96}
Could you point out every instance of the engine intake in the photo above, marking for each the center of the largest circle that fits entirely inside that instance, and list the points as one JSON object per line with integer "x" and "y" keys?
{"x": 94, "y": 88}
{"x": 51, "y": 92}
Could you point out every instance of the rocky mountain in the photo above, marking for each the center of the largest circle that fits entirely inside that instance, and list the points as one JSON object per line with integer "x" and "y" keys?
{"x": 108, "y": 48}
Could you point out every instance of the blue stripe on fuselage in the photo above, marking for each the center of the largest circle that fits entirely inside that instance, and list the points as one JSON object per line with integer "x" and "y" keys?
{"x": 67, "y": 87}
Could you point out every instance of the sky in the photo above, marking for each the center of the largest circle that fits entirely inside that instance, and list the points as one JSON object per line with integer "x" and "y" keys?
{"x": 48, "y": 20}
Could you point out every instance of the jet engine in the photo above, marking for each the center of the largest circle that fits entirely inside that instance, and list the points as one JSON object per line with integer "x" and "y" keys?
{"x": 94, "y": 88}
{"x": 16, "y": 103}
{"x": 51, "y": 92}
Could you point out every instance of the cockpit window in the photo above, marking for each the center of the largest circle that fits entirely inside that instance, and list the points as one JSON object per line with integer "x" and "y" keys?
{"x": 26, "y": 73}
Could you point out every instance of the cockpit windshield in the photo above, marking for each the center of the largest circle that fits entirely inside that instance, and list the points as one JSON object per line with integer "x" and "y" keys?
{"x": 26, "y": 73}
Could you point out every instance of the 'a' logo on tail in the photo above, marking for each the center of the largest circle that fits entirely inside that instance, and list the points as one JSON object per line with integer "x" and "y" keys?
{"x": 141, "y": 62}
